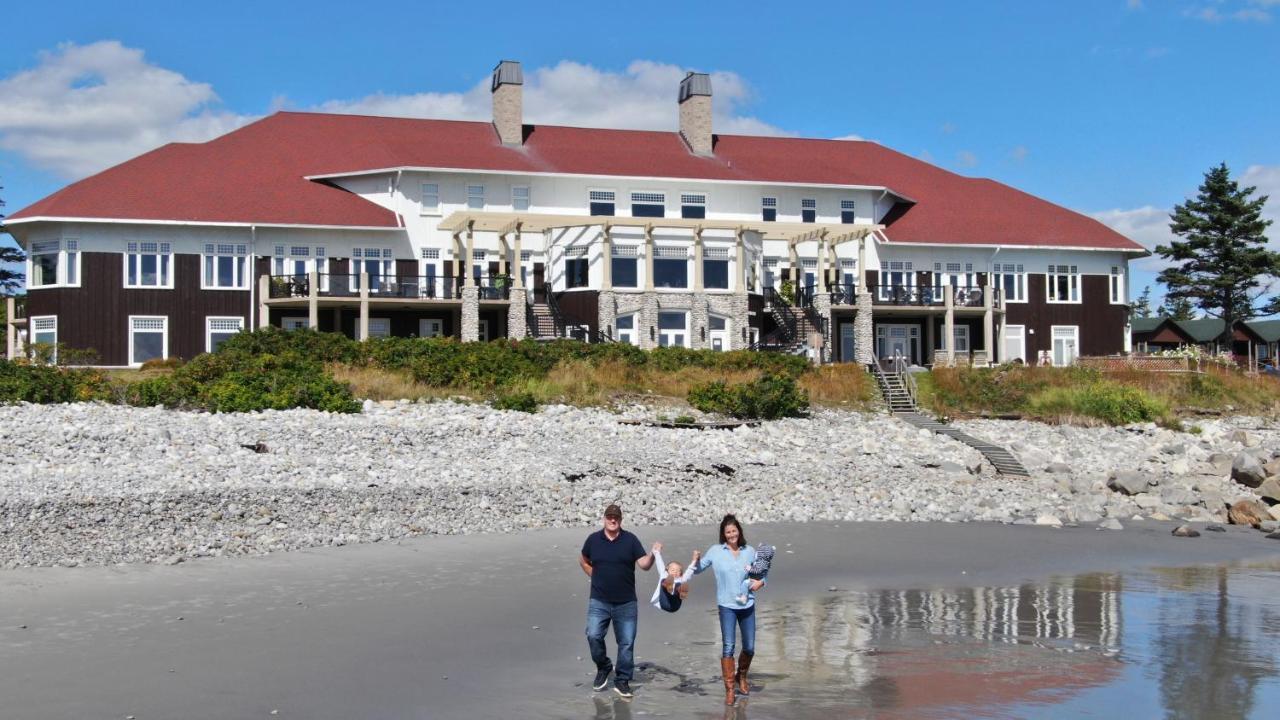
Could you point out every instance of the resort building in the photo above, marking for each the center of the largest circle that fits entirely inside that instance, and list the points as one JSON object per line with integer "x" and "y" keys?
{"x": 376, "y": 226}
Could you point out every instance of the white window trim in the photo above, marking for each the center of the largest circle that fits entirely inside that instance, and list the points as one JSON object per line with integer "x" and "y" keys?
{"x": 284, "y": 322}
{"x": 438, "y": 208}
{"x": 705, "y": 204}
{"x": 421, "y": 322}
{"x": 633, "y": 331}
{"x": 128, "y": 259}
{"x": 247, "y": 266}
{"x": 631, "y": 203}
{"x": 528, "y": 197}
{"x": 1053, "y": 338}
{"x": 373, "y": 320}
{"x": 687, "y": 331}
{"x": 1020, "y": 281}
{"x": 208, "y": 328}
{"x": 31, "y": 333}
{"x": 164, "y": 347}
{"x": 466, "y": 189}
{"x": 1118, "y": 294}
{"x": 1049, "y": 287}
{"x": 60, "y": 272}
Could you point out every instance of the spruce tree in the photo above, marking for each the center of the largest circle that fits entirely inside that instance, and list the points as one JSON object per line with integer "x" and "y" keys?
{"x": 11, "y": 259}
{"x": 1141, "y": 308}
{"x": 1178, "y": 309}
{"x": 1222, "y": 261}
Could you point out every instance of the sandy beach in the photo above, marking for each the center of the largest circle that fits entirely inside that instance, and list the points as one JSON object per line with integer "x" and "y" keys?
{"x": 487, "y": 626}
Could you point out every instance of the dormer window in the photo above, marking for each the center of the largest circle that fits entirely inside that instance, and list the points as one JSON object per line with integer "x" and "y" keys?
{"x": 602, "y": 202}
{"x": 846, "y": 212}
{"x": 430, "y": 199}
{"x": 648, "y": 204}
{"x": 808, "y": 210}
{"x": 475, "y": 197}
{"x": 769, "y": 209}
{"x": 693, "y": 205}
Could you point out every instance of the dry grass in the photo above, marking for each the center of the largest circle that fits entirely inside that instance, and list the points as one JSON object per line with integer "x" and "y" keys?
{"x": 843, "y": 386}
{"x": 378, "y": 384}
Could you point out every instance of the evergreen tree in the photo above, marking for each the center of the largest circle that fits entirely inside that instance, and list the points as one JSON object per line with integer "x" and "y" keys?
{"x": 1141, "y": 308}
{"x": 1177, "y": 308}
{"x": 1222, "y": 259}
{"x": 11, "y": 259}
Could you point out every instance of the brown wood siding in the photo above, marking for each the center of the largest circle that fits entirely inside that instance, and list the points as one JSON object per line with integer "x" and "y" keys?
{"x": 96, "y": 315}
{"x": 1101, "y": 323}
{"x": 755, "y": 310}
{"x": 406, "y": 269}
{"x": 580, "y": 307}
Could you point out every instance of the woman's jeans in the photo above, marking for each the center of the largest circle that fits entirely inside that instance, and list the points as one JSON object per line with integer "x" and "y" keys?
{"x": 746, "y": 620}
{"x": 623, "y": 617}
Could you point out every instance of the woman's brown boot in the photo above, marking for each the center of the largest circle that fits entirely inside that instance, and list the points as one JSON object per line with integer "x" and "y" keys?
{"x": 726, "y": 669}
{"x": 744, "y": 662}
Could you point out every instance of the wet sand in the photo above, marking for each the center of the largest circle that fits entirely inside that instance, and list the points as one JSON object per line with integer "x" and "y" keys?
{"x": 492, "y": 626}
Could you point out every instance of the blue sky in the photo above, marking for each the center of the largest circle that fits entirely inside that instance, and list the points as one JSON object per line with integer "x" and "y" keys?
{"x": 1111, "y": 107}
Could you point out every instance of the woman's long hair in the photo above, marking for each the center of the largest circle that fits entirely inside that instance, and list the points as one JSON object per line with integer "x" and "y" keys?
{"x": 731, "y": 520}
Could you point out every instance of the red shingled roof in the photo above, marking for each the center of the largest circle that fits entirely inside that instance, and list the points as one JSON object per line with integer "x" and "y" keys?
{"x": 257, "y": 175}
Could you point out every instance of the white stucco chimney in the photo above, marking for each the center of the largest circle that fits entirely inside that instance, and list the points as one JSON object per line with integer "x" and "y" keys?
{"x": 508, "y": 102}
{"x": 695, "y": 112}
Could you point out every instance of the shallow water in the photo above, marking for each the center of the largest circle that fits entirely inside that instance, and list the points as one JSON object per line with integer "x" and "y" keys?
{"x": 1198, "y": 642}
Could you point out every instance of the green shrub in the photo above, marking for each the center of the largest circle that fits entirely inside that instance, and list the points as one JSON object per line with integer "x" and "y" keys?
{"x": 1111, "y": 403}
{"x": 24, "y": 382}
{"x": 162, "y": 364}
{"x": 154, "y": 391}
{"x": 521, "y": 401}
{"x": 684, "y": 420}
{"x": 769, "y": 398}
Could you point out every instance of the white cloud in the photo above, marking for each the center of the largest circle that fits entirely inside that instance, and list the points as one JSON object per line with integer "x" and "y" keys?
{"x": 1135, "y": 4}
{"x": 967, "y": 159}
{"x": 851, "y": 136}
{"x": 1148, "y": 226}
{"x": 1267, "y": 179}
{"x": 85, "y": 107}
{"x": 1248, "y": 11}
{"x": 1019, "y": 153}
{"x": 642, "y": 97}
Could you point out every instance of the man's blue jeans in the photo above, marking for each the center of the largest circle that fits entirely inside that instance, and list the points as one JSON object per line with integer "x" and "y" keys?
{"x": 623, "y": 616}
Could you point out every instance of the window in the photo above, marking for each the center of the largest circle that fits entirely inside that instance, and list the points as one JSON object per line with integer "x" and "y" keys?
{"x": 846, "y": 212}
{"x": 218, "y": 330}
{"x": 670, "y": 267}
{"x": 602, "y": 202}
{"x": 377, "y": 263}
{"x": 1012, "y": 282}
{"x": 1065, "y": 342}
{"x": 769, "y": 209}
{"x": 718, "y": 332}
{"x": 475, "y": 197}
{"x": 625, "y": 329}
{"x": 897, "y": 279}
{"x": 808, "y": 210}
{"x": 379, "y": 327}
{"x": 54, "y": 262}
{"x": 519, "y": 197}
{"x": 693, "y": 205}
{"x": 430, "y": 327}
{"x": 576, "y": 270}
{"x": 148, "y": 338}
{"x": 623, "y": 267}
{"x": 672, "y": 329}
{"x": 959, "y": 339}
{"x": 430, "y": 199}
{"x": 44, "y": 331}
{"x": 293, "y": 323}
{"x": 1063, "y": 284}
{"x": 148, "y": 265}
{"x": 715, "y": 268}
{"x": 648, "y": 204}
{"x": 226, "y": 267}
{"x": 1118, "y": 296}
{"x": 771, "y": 272}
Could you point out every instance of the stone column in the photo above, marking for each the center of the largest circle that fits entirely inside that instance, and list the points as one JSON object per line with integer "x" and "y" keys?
{"x": 949, "y": 325}
{"x": 362, "y": 332}
{"x": 313, "y": 300}
{"x": 987, "y": 321}
{"x": 517, "y": 315}
{"x": 648, "y": 258}
{"x": 607, "y": 313}
{"x": 698, "y": 322}
{"x": 864, "y": 334}
{"x": 470, "y": 312}
{"x": 264, "y": 310}
{"x": 822, "y": 308}
{"x": 648, "y": 316}
{"x": 606, "y": 259}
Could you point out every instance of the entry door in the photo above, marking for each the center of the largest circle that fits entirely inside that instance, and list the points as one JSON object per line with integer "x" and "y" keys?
{"x": 846, "y": 342}
{"x": 894, "y": 340}
{"x": 539, "y": 283}
{"x": 484, "y": 330}
{"x": 430, "y": 327}
{"x": 1065, "y": 344}
{"x": 1015, "y": 343}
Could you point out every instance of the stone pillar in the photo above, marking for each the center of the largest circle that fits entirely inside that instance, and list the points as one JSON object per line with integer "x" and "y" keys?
{"x": 949, "y": 325}
{"x": 264, "y": 292}
{"x": 517, "y": 315}
{"x": 313, "y": 300}
{"x": 362, "y": 332}
{"x": 648, "y": 316}
{"x": 470, "y": 312}
{"x": 987, "y": 321}
{"x": 697, "y": 261}
{"x": 606, "y": 259}
{"x": 517, "y": 279}
{"x": 698, "y": 322}
{"x": 648, "y": 258}
{"x": 864, "y": 334}
{"x": 822, "y": 308}
{"x": 10, "y": 330}
{"x": 607, "y": 313}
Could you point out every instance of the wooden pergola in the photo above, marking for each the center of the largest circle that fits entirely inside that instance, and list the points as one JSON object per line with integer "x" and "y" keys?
{"x": 512, "y": 224}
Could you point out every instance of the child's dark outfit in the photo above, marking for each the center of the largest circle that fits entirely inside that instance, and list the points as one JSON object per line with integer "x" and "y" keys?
{"x": 758, "y": 569}
{"x": 668, "y": 600}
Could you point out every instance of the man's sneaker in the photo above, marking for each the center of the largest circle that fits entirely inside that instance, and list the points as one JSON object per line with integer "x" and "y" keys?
{"x": 623, "y": 688}
{"x": 602, "y": 679}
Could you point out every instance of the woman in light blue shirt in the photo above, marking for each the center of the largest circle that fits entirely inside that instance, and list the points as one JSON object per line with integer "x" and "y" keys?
{"x": 730, "y": 559}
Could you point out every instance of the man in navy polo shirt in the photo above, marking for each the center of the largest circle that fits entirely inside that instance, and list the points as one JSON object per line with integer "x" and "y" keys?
{"x": 610, "y": 557}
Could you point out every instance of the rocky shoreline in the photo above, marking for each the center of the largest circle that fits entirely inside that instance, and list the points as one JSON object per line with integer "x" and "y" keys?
{"x": 98, "y": 484}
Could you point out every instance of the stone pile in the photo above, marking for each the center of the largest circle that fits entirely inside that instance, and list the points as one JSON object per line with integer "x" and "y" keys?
{"x": 89, "y": 483}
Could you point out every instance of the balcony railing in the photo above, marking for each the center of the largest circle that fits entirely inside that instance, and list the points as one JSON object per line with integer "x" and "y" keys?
{"x": 972, "y": 296}
{"x": 844, "y": 294}
{"x": 415, "y": 287}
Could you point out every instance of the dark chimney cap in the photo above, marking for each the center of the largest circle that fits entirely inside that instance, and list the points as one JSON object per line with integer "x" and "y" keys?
{"x": 507, "y": 72}
{"x": 695, "y": 84}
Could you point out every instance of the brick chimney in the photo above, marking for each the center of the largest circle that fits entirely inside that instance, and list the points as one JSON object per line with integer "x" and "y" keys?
{"x": 508, "y": 102}
{"x": 695, "y": 112}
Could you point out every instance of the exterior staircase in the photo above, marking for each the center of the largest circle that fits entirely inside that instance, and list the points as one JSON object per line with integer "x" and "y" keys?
{"x": 793, "y": 326}
{"x": 543, "y": 324}
{"x": 894, "y": 390}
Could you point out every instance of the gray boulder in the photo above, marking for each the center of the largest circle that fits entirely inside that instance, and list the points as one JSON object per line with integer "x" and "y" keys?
{"x": 1179, "y": 496}
{"x": 1185, "y": 531}
{"x": 1270, "y": 489}
{"x": 1219, "y": 463}
{"x": 1129, "y": 482}
{"x": 1247, "y": 470}
{"x": 1244, "y": 438}
{"x": 1059, "y": 468}
{"x": 1110, "y": 524}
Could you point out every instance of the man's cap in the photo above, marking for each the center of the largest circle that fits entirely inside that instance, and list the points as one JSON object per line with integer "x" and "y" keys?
{"x": 613, "y": 511}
